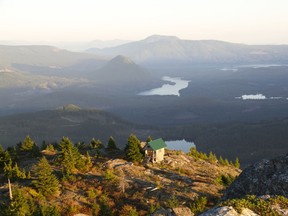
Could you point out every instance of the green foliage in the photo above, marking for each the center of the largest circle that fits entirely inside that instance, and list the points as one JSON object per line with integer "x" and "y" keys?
{"x": 258, "y": 205}
{"x": 88, "y": 159}
{"x": 212, "y": 158}
{"x": 5, "y": 158}
{"x": 128, "y": 210}
{"x": 8, "y": 169}
{"x": 280, "y": 200}
{"x": 221, "y": 160}
{"x": 198, "y": 155}
{"x": 12, "y": 153}
{"x": 27, "y": 144}
{"x": 81, "y": 146}
{"x": 50, "y": 210}
{"x": 172, "y": 202}
{"x": 13, "y": 172}
{"x": 17, "y": 173}
{"x": 95, "y": 209}
{"x": 225, "y": 180}
{"x": 198, "y": 205}
{"x": 46, "y": 182}
{"x": 97, "y": 144}
{"x": 105, "y": 209}
{"x": 111, "y": 143}
{"x": 19, "y": 205}
{"x": 91, "y": 194}
{"x": 153, "y": 207}
{"x": 237, "y": 163}
{"x": 149, "y": 139}
{"x": 50, "y": 148}
{"x": 110, "y": 176}
{"x": 132, "y": 149}
{"x": 69, "y": 157}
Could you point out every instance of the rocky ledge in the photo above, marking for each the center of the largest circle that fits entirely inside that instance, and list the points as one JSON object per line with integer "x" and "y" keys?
{"x": 267, "y": 177}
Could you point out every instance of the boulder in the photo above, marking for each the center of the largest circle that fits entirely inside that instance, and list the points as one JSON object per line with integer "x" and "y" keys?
{"x": 180, "y": 211}
{"x": 228, "y": 211}
{"x": 267, "y": 177}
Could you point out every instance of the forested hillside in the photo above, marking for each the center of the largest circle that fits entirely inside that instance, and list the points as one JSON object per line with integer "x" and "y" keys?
{"x": 97, "y": 178}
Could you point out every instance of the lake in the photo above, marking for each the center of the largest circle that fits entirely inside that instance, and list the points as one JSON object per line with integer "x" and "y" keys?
{"x": 168, "y": 89}
{"x": 258, "y": 97}
{"x": 180, "y": 145}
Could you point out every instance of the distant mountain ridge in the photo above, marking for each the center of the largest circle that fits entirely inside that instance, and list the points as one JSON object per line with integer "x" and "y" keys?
{"x": 42, "y": 56}
{"x": 156, "y": 48}
{"x": 120, "y": 69}
{"x": 78, "y": 124}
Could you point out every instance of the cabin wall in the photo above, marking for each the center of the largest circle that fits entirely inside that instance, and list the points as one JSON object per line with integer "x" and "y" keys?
{"x": 160, "y": 154}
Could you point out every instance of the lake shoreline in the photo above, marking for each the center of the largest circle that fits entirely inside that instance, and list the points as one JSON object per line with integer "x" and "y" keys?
{"x": 168, "y": 89}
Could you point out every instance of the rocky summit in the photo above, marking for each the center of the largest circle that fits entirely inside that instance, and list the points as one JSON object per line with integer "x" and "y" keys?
{"x": 267, "y": 177}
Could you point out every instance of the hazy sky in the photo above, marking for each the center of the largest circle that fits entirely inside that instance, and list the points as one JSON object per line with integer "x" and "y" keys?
{"x": 245, "y": 21}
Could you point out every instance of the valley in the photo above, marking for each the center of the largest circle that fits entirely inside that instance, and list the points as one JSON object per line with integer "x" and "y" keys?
{"x": 208, "y": 109}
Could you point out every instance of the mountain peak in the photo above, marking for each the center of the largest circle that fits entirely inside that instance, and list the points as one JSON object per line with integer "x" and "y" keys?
{"x": 155, "y": 38}
{"x": 120, "y": 59}
{"x": 69, "y": 107}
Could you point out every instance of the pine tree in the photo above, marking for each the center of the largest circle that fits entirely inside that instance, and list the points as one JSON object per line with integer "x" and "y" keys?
{"x": 149, "y": 139}
{"x": 69, "y": 157}
{"x": 19, "y": 205}
{"x": 212, "y": 158}
{"x": 46, "y": 182}
{"x": 6, "y": 157}
{"x": 17, "y": 173}
{"x": 221, "y": 161}
{"x": 111, "y": 143}
{"x": 226, "y": 162}
{"x": 132, "y": 149}
{"x": 237, "y": 163}
{"x": 1, "y": 150}
{"x": 8, "y": 169}
{"x": 1, "y": 156}
{"x": 96, "y": 143}
{"x": 27, "y": 144}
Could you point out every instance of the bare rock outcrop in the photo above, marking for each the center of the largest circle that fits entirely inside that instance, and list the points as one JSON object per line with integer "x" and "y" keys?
{"x": 228, "y": 211}
{"x": 267, "y": 177}
{"x": 179, "y": 211}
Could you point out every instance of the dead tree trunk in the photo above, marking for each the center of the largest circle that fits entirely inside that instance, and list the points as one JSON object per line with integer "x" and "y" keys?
{"x": 10, "y": 189}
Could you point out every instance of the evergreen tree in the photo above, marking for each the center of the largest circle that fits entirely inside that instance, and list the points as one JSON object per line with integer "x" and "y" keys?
{"x": 12, "y": 153}
{"x": 69, "y": 157}
{"x": 1, "y": 156}
{"x": 96, "y": 143}
{"x": 221, "y": 161}
{"x": 1, "y": 150}
{"x": 17, "y": 173}
{"x": 132, "y": 149}
{"x": 46, "y": 182}
{"x": 19, "y": 205}
{"x": 111, "y": 143}
{"x": 237, "y": 163}
{"x": 88, "y": 158}
{"x": 8, "y": 169}
{"x": 212, "y": 157}
{"x": 27, "y": 144}
{"x": 226, "y": 162}
{"x": 149, "y": 139}
{"x": 4, "y": 158}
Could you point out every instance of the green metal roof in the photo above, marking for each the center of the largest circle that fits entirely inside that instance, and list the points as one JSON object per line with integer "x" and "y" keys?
{"x": 157, "y": 144}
